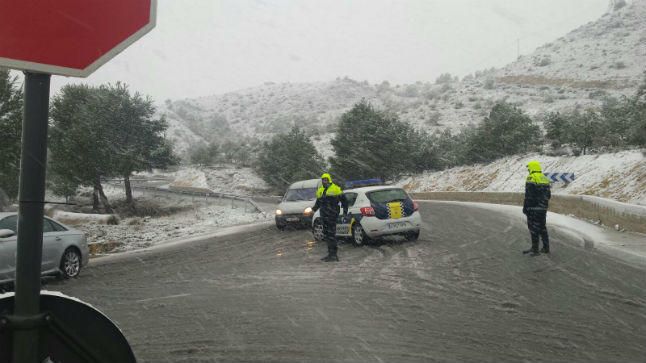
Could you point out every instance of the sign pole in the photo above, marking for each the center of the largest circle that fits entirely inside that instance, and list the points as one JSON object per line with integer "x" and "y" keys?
{"x": 44, "y": 38}
{"x": 33, "y": 161}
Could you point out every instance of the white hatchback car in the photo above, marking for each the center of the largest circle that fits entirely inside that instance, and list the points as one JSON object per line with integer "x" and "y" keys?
{"x": 296, "y": 206}
{"x": 375, "y": 212}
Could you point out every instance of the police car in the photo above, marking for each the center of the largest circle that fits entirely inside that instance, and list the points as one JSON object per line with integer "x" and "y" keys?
{"x": 375, "y": 212}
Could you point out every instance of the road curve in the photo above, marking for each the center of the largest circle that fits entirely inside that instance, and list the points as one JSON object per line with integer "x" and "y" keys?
{"x": 463, "y": 292}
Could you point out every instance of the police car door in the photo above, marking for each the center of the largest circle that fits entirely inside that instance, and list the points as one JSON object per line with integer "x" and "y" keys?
{"x": 343, "y": 226}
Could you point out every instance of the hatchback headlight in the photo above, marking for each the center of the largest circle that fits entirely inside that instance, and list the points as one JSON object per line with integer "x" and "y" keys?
{"x": 279, "y": 212}
{"x": 307, "y": 211}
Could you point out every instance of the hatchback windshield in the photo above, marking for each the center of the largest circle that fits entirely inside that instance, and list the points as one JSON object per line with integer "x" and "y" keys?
{"x": 294, "y": 195}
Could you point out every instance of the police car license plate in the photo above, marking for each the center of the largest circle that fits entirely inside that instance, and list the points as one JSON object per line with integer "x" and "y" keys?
{"x": 396, "y": 225}
{"x": 292, "y": 219}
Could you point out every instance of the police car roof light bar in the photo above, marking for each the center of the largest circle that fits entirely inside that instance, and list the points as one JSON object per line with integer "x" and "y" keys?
{"x": 363, "y": 183}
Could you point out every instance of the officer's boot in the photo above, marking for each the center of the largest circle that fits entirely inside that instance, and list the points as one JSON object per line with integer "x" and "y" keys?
{"x": 331, "y": 252}
{"x": 330, "y": 258}
{"x": 546, "y": 242}
{"x": 534, "y": 250}
{"x": 531, "y": 252}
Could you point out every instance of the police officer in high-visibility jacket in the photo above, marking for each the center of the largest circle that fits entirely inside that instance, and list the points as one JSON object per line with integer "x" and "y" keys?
{"x": 328, "y": 197}
{"x": 537, "y": 197}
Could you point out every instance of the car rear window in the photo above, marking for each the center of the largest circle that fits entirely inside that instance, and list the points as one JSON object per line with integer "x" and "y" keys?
{"x": 387, "y": 195}
{"x": 294, "y": 195}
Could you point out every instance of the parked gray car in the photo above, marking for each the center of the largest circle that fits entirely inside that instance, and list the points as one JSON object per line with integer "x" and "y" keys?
{"x": 65, "y": 249}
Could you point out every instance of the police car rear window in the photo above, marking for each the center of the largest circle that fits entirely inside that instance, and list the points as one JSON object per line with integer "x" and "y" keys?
{"x": 351, "y": 198}
{"x": 388, "y": 195}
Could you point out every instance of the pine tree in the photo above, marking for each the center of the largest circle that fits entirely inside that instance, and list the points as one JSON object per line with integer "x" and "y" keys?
{"x": 373, "y": 144}
{"x": 137, "y": 136}
{"x": 556, "y": 129}
{"x": 506, "y": 131}
{"x": 585, "y": 130}
{"x": 104, "y": 132}
{"x": 10, "y": 133}
{"x": 80, "y": 152}
{"x": 615, "y": 126}
{"x": 288, "y": 158}
{"x": 450, "y": 149}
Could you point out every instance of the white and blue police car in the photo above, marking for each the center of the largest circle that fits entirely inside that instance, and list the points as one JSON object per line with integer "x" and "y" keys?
{"x": 374, "y": 212}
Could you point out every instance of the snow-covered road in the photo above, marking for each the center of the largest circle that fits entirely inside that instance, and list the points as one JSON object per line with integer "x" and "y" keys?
{"x": 463, "y": 292}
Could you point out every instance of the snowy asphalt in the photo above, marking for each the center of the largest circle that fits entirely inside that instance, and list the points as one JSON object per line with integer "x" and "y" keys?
{"x": 463, "y": 292}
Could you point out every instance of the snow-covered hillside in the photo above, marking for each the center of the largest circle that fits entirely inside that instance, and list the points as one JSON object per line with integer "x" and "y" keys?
{"x": 607, "y": 53}
{"x": 183, "y": 137}
{"x": 606, "y": 57}
{"x": 620, "y": 176}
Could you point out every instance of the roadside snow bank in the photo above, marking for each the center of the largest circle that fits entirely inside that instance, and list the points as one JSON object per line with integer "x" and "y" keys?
{"x": 235, "y": 180}
{"x": 137, "y": 233}
{"x": 83, "y": 218}
{"x": 620, "y": 176}
{"x": 190, "y": 177}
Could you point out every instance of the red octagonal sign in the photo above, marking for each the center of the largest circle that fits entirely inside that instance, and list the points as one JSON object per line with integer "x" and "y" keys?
{"x": 70, "y": 37}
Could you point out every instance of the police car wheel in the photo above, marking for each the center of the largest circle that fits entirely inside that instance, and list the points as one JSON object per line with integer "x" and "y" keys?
{"x": 412, "y": 236}
{"x": 317, "y": 230}
{"x": 359, "y": 237}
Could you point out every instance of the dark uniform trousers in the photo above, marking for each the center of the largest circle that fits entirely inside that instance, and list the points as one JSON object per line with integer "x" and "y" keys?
{"x": 329, "y": 233}
{"x": 536, "y": 220}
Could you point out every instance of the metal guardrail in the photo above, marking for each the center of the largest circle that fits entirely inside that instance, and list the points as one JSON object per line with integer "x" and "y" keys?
{"x": 195, "y": 193}
{"x": 136, "y": 180}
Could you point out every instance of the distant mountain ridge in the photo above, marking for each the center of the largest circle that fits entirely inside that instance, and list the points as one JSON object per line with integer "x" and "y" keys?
{"x": 606, "y": 57}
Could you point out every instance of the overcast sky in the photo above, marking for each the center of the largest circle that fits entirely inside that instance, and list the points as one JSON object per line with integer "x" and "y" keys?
{"x": 205, "y": 47}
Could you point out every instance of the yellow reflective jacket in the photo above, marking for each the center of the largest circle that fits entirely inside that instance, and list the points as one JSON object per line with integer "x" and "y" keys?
{"x": 537, "y": 189}
{"x": 536, "y": 176}
{"x": 328, "y": 199}
{"x": 332, "y": 190}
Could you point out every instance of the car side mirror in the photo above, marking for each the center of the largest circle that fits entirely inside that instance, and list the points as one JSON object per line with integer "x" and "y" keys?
{"x": 6, "y": 233}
